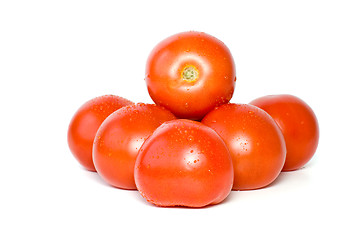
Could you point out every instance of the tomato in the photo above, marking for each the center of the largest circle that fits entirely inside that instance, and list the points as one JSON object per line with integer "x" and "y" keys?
{"x": 85, "y": 123}
{"x": 298, "y": 124}
{"x": 190, "y": 73}
{"x": 184, "y": 163}
{"x": 254, "y": 140}
{"x": 119, "y": 139}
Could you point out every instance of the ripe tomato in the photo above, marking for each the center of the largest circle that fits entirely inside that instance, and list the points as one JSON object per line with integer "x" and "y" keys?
{"x": 190, "y": 73}
{"x": 85, "y": 123}
{"x": 299, "y": 126}
{"x": 119, "y": 139}
{"x": 184, "y": 163}
{"x": 254, "y": 140}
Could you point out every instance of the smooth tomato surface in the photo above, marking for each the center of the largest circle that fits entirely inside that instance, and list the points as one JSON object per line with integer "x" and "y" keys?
{"x": 85, "y": 123}
{"x": 190, "y": 73}
{"x": 254, "y": 140}
{"x": 184, "y": 163}
{"x": 298, "y": 124}
{"x": 119, "y": 139}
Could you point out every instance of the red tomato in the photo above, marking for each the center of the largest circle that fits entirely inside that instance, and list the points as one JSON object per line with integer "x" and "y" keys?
{"x": 254, "y": 140}
{"x": 190, "y": 73}
{"x": 85, "y": 123}
{"x": 299, "y": 126}
{"x": 184, "y": 163}
{"x": 119, "y": 139}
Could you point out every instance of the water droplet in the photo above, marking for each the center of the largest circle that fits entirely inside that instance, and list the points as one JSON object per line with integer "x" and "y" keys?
{"x": 190, "y": 138}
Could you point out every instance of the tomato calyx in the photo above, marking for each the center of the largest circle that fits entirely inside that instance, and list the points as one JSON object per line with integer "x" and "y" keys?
{"x": 189, "y": 73}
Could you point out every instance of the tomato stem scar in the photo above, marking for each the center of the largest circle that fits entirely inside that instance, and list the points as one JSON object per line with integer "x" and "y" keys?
{"x": 189, "y": 73}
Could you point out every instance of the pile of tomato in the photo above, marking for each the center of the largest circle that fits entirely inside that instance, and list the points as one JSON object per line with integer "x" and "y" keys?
{"x": 192, "y": 147}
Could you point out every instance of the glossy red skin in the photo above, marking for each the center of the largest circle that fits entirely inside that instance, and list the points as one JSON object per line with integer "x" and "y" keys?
{"x": 254, "y": 140}
{"x": 85, "y": 123}
{"x": 119, "y": 139}
{"x": 191, "y": 100}
{"x": 298, "y": 124}
{"x": 184, "y": 163}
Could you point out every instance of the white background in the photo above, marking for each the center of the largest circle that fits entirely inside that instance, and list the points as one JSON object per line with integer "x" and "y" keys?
{"x": 56, "y": 55}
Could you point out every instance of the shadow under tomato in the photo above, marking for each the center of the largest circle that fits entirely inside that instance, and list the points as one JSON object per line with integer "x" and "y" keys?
{"x": 233, "y": 195}
{"x": 299, "y": 176}
{"x": 292, "y": 178}
{"x": 94, "y": 176}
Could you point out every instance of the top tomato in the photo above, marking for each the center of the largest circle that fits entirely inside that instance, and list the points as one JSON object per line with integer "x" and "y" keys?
{"x": 190, "y": 73}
